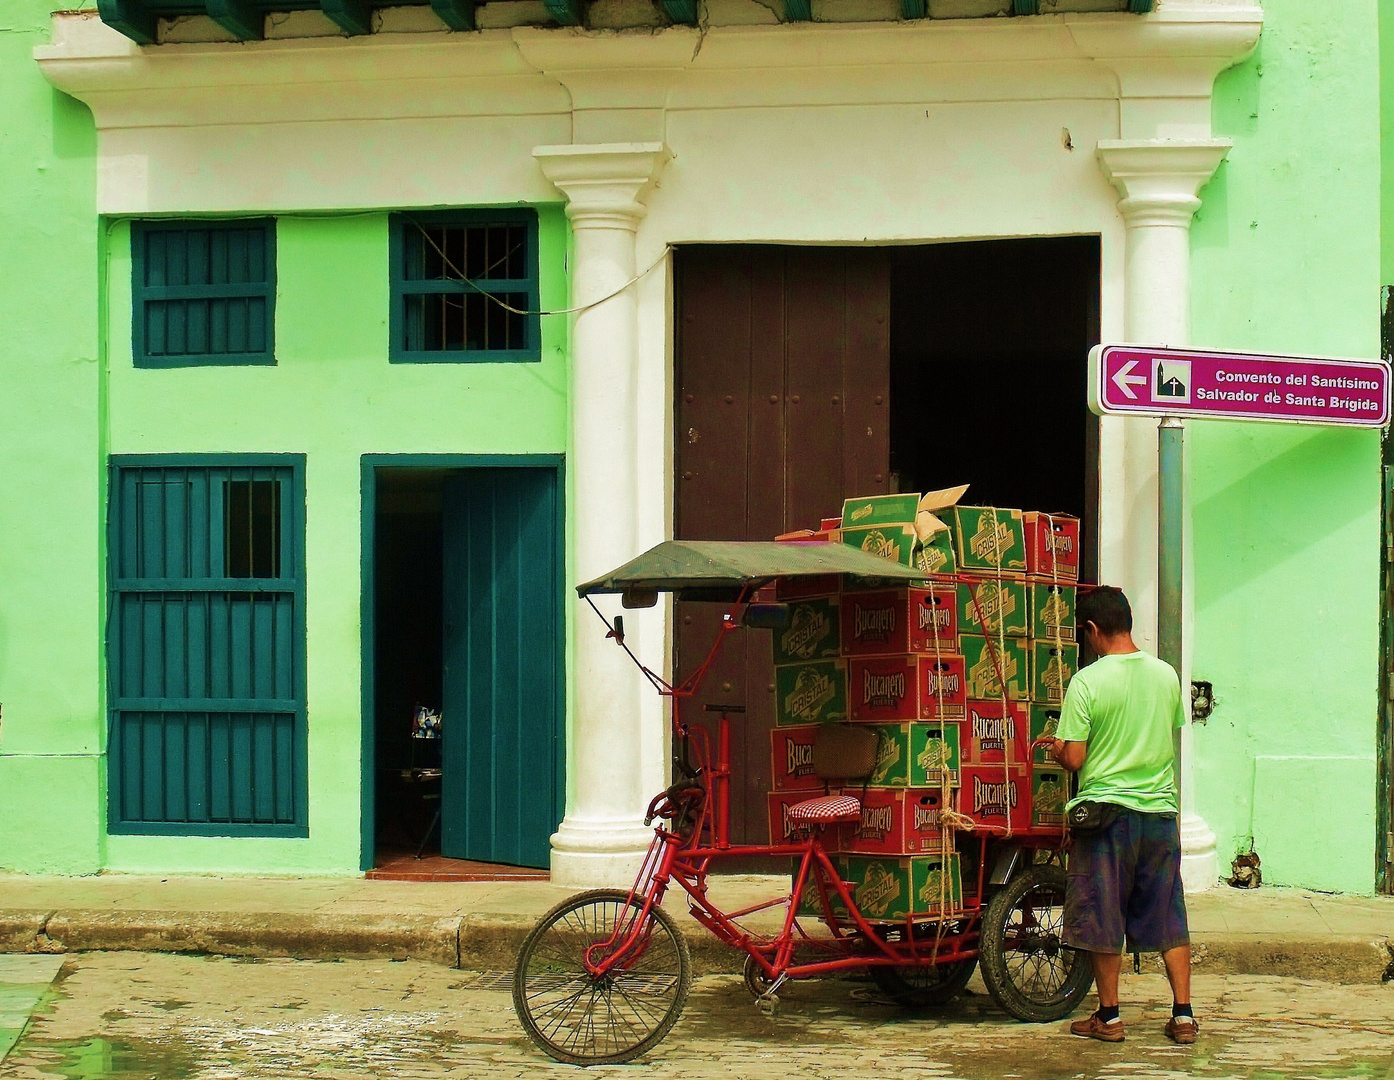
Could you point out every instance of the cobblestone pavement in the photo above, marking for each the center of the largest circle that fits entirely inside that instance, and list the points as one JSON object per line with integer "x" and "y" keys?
{"x": 129, "y": 1015}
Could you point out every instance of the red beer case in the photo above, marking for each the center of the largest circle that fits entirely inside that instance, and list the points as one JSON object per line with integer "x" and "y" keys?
{"x": 791, "y": 758}
{"x": 781, "y": 829}
{"x": 989, "y": 726}
{"x": 898, "y": 621}
{"x": 896, "y": 821}
{"x": 892, "y": 689}
{"x": 1052, "y": 545}
{"x": 993, "y": 795}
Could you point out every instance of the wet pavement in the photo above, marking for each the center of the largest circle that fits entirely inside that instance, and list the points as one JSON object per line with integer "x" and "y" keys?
{"x": 126, "y": 1015}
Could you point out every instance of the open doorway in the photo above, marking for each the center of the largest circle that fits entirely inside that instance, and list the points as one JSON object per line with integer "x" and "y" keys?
{"x": 989, "y": 342}
{"x": 806, "y": 375}
{"x": 407, "y": 632}
{"x": 464, "y": 661}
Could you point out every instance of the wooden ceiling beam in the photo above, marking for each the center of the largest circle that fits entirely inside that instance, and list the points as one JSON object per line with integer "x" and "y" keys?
{"x": 130, "y": 17}
{"x": 566, "y": 12}
{"x": 241, "y": 18}
{"x": 456, "y": 14}
{"x": 353, "y": 17}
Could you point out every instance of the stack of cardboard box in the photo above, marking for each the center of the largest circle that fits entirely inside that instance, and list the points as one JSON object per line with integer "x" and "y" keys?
{"x": 926, "y": 664}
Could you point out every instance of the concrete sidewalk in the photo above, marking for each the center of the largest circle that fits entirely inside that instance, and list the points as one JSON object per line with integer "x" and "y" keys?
{"x": 480, "y": 925}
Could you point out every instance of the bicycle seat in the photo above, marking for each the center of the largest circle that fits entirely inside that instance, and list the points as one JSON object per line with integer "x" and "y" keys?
{"x": 827, "y": 810}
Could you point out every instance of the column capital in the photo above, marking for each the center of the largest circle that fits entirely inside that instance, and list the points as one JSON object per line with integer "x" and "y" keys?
{"x": 1160, "y": 179}
{"x": 604, "y": 183}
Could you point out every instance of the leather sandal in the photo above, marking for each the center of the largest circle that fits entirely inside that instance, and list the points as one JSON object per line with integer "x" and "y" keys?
{"x": 1091, "y": 1027}
{"x": 1182, "y": 1029}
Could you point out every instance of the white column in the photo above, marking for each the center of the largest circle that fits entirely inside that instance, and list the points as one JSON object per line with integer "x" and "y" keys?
{"x": 602, "y": 838}
{"x": 1160, "y": 182}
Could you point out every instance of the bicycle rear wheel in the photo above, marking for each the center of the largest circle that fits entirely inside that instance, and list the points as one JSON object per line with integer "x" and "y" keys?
{"x": 581, "y": 1020}
{"x": 1027, "y": 967}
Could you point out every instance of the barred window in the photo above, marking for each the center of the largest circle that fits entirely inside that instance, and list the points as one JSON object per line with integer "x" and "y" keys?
{"x": 464, "y": 287}
{"x": 203, "y": 292}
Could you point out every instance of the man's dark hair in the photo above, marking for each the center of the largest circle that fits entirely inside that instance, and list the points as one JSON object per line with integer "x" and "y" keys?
{"x": 1107, "y": 608}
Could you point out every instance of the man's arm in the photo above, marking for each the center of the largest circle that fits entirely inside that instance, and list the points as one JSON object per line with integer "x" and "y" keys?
{"x": 1070, "y": 755}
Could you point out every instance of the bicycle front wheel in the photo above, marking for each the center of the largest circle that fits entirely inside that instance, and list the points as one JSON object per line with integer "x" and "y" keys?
{"x": 581, "y": 1020}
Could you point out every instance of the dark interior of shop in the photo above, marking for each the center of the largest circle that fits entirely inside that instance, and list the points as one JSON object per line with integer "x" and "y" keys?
{"x": 988, "y": 341}
{"x": 407, "y": 652}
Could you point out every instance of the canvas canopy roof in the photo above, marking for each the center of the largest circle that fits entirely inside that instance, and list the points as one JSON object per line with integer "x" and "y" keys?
{"x": 719, "y": 569}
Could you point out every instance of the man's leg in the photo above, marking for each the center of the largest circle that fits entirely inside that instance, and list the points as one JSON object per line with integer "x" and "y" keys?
{"x": 1106, "y": 968}
{"x": 1157, "y": 917}
{"x": 1099, "y": 879}
{"x": 1178, "y": 964}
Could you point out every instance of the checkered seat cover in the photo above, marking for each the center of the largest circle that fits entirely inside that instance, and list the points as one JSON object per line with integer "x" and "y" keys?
{"x": 828, "y": 810}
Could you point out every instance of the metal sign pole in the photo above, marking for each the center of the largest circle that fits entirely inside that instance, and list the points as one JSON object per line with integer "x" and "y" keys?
{"x": 1171, "y": 442}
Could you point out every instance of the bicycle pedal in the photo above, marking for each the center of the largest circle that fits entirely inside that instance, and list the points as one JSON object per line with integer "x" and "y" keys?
{"x": 768, "y": 1004}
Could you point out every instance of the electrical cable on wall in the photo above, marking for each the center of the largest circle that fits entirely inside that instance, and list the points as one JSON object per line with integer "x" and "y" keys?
{"x": 460, "y": 276}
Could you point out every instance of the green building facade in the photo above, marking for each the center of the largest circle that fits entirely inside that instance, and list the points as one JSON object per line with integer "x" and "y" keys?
{"x": 1287, "y": 254}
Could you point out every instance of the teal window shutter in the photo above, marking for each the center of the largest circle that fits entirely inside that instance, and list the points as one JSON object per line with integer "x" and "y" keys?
{"x": 203, "y": 292}
{"x": 206, "y": 646}
{"x": 465, "y": 287}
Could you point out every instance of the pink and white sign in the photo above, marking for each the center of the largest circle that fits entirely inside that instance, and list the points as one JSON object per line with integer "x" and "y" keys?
{"x": 1133, "y": 379}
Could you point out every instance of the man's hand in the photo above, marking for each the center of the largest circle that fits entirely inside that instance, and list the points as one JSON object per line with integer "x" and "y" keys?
{"x": 1070, "y": 755}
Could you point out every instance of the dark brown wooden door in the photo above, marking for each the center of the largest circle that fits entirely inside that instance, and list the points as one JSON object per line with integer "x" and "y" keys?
{"x": 783, "y": 377}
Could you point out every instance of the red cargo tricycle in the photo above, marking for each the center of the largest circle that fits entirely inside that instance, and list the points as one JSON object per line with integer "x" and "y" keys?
{"x": 604, "y": 975}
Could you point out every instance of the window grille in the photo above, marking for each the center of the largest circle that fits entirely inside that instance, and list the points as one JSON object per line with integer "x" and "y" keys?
{"x": 205, "y": 647}
{"x": 465, "y": 287}
{"x": 203, "y": 292}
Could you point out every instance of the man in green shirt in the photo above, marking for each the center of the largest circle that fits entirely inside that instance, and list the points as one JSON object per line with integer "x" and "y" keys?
{"x": 1117, "y": 729}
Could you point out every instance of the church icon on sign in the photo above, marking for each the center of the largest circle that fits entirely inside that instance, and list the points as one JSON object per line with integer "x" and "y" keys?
{"x": 1171, "y": 380}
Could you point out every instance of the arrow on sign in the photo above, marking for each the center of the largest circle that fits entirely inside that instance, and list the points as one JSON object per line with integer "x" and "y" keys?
{"x": 1125, "y": 382}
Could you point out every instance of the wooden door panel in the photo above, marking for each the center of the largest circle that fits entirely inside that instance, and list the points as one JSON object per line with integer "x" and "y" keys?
{"x": 503, "y": 709}
{"x": 866, "y": 428}
{"x": 816, "y": 351}
{"x": 713, "y": 394}
{"x": 798, "y": 340}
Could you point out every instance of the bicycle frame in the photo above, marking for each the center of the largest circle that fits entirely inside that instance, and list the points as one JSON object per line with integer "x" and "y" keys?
{"x": 686, "y": 853}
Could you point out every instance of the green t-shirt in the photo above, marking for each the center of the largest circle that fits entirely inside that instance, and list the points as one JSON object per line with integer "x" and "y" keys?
{"x": 1126, "y": 707}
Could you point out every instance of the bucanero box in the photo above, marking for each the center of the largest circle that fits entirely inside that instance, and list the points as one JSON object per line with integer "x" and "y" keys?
{"x": 1052, "y": 545}
{"x": 1052, "y": 667}
{"x": 993, "y": 795}
{"x": 1052, "y": 610}
{"x": 1008, "y": 655}
{"x": 990, "y": 606}
{"x": 994, "y": 727}
{"x": 899, "y": 621}
{"x": 888, "y": 689}
{"x": 811, "y": 693}
{"x": 989, "y": 538}
{"x": 800, "y": 588}
{"x": 915, "y": 755}
{"x": 896, "y": 821}
{"x": 811, "y": 633}
{"x": 778, "y": 802}
{"x": 886, "y": 889}
{"x": 791, "y": 758}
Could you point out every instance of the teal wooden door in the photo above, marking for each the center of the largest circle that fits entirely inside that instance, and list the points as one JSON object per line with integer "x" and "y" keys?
{"x": 205, "y": 646}
{"x": 501, "y": 795}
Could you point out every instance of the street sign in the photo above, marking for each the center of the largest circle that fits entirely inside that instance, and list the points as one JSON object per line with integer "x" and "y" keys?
{"x": 1136, "y": 380}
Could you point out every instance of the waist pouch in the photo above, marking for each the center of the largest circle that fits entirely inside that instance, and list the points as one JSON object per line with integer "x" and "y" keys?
{"x": 1089, "y": 817}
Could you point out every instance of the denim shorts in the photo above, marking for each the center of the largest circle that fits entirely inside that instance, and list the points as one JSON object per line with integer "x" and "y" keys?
{"x": 1124, "y": 884}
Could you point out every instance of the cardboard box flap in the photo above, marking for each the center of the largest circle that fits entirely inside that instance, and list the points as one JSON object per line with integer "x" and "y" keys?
{"x": 927, "y": 522}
